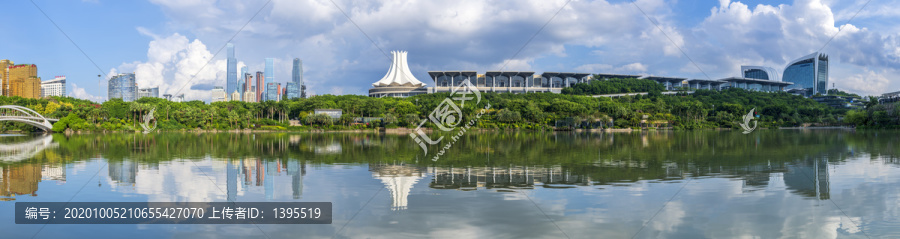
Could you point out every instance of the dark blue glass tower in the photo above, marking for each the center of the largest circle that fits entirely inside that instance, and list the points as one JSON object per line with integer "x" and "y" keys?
{"x": 231, "y": 83}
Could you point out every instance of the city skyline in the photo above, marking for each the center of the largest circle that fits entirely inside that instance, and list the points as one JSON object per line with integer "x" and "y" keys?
{"x": 167, "y": 44}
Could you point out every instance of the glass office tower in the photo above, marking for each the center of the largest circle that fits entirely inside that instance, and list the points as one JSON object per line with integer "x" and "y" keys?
{"x": 122, "y": 86}
{"x": 809, "y": 73}
{"x": 231, "y": 83}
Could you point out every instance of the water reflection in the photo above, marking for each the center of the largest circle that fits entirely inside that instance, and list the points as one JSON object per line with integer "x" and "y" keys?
{"x": 14, "y": 149}
{"x": 770, "y": 184}
{"x": 486, "y": 161}
{"x": 399, "y": 180}
{"x": 23, "y": 178}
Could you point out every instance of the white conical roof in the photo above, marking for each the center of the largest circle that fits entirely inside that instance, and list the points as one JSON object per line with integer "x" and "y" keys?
{"x": 399, "y": 74}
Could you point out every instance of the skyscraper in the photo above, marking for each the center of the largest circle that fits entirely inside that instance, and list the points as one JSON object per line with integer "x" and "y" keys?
{"x": 291, "y": 90}
{"x": 4, "y": 75}
{"x": 122, "y": 86}
{"x": 22, "y": 81}
{"x": 239, "y": 88}
{"x": 270, "y": 70}
{"x": 248, "y": 83}
{"x": 243, "y": 71}
{"x": 218, "y": 94}
{"x": 295, "y": 90}
{"x": 231, "y": 70}
{"x": 808, "y": 73}
{"x": 272, "y": 91}
{"x": 260, "y": 85}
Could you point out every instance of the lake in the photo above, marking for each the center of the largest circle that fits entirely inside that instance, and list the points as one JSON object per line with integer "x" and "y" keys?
{"x": 658, "y": 184}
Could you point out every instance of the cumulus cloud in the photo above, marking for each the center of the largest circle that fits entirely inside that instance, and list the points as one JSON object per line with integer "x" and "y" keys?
{"x": 484, "y": 35}
{"x": 178, "y": 65}
{"x": 471, "y": 35}
{"x": 78, "y": 92}
{"x": 631, "y": 68}
{"x": 738, "y": 34}
{"x": 868, "y": 82}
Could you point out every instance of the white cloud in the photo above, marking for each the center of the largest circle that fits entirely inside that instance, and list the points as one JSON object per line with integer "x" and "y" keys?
{"x": 483, "y": 35}
{"x": 178, "y": 65}
{"x": 736, "y": 34}
{"x": 631, "y": 68}
{"x": 868, "y": 82}
{"x": 80, "y": 93}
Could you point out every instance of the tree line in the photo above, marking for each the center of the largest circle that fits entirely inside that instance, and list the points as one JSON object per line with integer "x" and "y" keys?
{"x": 703, "y": 109}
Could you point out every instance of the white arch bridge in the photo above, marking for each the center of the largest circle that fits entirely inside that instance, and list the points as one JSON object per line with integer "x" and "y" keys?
{"x": 21, "y": 114}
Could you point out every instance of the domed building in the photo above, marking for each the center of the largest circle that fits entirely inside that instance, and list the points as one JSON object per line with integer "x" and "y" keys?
{"x": 398, "y": 82}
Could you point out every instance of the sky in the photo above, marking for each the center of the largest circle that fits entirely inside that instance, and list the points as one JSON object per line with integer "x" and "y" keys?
{"x": 178, "y": 45}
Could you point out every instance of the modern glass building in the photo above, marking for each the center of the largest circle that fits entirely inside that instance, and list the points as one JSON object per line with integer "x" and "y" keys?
{"x": 506, "y": 81}
{"x": 808, "y": 73}
{"x": 147, "y": 92}
{"x": 122, "y": 86}
{"x": 239, "y": 89}
{"x": 760, "y": 72}
{"x": 272, "y": 91}
{"x": 297, "y": 79}
{"x": 270, "y": 70}
{"x": 755, "y": 84}
{"x": 231, "y": 83}
{"x": 260, "y": 86}
{"x": 291, "y": 91}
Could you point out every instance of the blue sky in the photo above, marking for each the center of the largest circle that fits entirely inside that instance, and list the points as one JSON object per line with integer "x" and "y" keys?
{"x": 169, "y": 42}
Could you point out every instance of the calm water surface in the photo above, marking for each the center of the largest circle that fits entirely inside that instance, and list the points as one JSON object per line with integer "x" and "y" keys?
{"x": 768, "y": 184}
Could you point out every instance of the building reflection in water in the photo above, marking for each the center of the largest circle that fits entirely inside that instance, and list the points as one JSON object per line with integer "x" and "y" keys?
{"x": 240, "y": 175}
{"x": 809, "y": 178}
{"x": 399, "y": 180}
{"x": 20, "y": 180}
{"x": 19, "y": 151}
{"x": 471, "y": 178}
{"x": 123, "y": 172}
{"x": 23, "y": 178}
{"x": 248, "y": 172}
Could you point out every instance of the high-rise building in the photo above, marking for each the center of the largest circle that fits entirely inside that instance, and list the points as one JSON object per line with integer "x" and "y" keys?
{"x": 297, "y": 79}
{"x": 54, "y": 87}
{"x": 122, "y": 86}
{"x": 231, "y": 70}
{"x": 291, "y": 90}
{"x": 248, "y": 82}
{"x": 808, "y": 73}
{"x": 23, "y": 81}
{"x": 260, "y": 86}
{"x": 272, "y": 91}
{"x": 218, "y": 94}
{"x": 4, "y": 76}
{"x": 235, "y": 96}
{"x": 250, "y": 95}
{"x": 270, "y": 70}
{"x": 148, "y": 92}
{"x": 243, "y": 71}
{"x": 239, "y": 89}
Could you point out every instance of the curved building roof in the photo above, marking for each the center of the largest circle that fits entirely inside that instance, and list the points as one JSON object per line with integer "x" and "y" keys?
{"x": 770, "y": 72}
{"x": 399, "y": 74}
{"x": 810, "y": 56}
